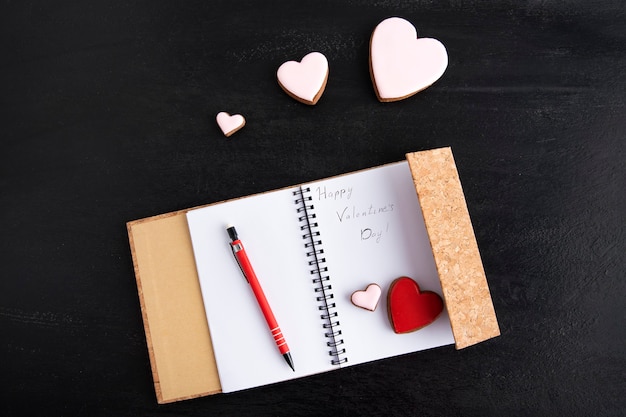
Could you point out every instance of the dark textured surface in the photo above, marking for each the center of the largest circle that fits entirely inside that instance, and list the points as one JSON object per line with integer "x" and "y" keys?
{"x": 108, "y": 116}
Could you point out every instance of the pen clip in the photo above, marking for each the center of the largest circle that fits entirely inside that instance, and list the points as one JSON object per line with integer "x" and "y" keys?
{"x": 232, "y": 248}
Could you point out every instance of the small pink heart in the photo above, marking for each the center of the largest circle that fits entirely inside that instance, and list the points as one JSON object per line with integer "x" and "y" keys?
{"x": 305, "y": 80}
{"x": 230, "y": 124}
{"x": 402, "y": 64}
{"x": 367, "y": 299}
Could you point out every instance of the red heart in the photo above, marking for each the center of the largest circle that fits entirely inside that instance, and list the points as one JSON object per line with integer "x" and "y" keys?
{"x": 409, "y": 308}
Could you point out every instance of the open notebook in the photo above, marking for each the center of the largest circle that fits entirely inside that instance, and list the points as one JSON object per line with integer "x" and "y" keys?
{"x": 409, "y": 239}
{"x": 370, "y": 228}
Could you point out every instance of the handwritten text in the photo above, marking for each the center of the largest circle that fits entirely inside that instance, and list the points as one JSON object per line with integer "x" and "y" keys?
{"x": 352, "y": 212}
{"x": 339, "y": 194}
{"x": 373, "y": 234}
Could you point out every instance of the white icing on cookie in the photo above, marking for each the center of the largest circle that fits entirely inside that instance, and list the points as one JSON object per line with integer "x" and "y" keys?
{"x": 367, "y": 299}
{"x": 230, "y": 124}
{"x": 305, "y": 80}
{"x": 402, "y": 64}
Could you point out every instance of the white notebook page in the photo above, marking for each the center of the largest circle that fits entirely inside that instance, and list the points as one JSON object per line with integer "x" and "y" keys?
{"x": 245, "y": 351}
{"x": 372, "y": 231}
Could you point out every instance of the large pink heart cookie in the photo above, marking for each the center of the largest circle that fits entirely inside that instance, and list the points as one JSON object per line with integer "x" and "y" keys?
{"x": 401, "y": 64}
{"x": 305, "y": 80}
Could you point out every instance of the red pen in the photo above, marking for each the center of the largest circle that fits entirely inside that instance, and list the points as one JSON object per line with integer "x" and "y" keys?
{"x": 248, "y": 272}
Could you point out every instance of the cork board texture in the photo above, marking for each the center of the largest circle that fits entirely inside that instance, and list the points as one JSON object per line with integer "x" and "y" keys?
{"x": 454, "y": 246}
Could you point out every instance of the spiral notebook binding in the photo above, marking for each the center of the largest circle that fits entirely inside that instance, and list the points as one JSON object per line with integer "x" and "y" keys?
{"x": 321, "y": 280}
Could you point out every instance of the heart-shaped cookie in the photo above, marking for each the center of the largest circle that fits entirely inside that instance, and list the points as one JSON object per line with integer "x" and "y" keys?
{"x": 305, "y": 80}
{"x": 401, "y": 64}
{"x": 409, "y": 308}
{"x": 230, "y": 124}
{"x": 367, "y": 299}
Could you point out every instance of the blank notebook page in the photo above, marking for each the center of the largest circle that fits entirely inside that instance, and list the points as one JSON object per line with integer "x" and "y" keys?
{"x": 245, "y": 351}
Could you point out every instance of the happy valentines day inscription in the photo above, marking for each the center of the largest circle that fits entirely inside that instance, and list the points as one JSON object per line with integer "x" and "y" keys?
{"x": 370, "y": 216}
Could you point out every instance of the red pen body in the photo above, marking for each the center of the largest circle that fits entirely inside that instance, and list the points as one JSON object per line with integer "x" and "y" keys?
{"x": 250, "y": 275}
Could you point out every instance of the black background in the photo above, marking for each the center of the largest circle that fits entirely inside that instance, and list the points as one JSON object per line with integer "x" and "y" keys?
{"x": 108, "y": 115}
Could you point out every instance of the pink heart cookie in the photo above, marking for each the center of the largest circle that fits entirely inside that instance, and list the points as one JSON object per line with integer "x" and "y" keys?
{"x": 305, "y": 80}
{"x": 401, "y": 64}
{"x": 367, "y": 299}
{"x": 230, "y": 124}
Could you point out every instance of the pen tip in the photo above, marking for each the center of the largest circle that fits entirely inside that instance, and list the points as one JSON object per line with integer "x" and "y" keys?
{"x": 287, "y": 357}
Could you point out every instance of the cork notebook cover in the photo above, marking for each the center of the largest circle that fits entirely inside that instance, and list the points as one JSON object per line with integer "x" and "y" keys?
{"x": 177, "y": 333}
{"x": 451, "y": 235}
